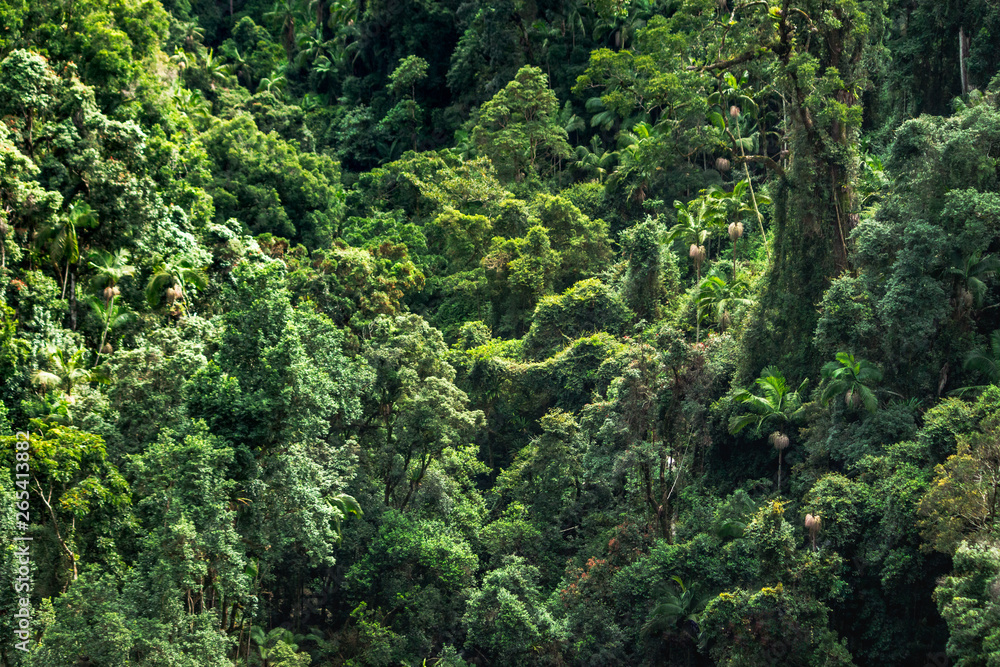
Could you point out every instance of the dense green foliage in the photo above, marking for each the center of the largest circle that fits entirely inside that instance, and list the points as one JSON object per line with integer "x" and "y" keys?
{"x": 590, "y": 332}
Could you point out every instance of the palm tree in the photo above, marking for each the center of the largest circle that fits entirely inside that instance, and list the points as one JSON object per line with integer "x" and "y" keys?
{"x": 718, "y": 299}
{"x": 313, "y": 46}
{"x": 213, "y": 68}
{"x": 65, "y": 373}
{"x": 343, "y": 12}
{"x": 267, "y": 643}
{"x": 778, "y": 405}
{"x": 110, "y": 268}
{"x": 710, "y": 210}
{"x": 739, "y": 95}
{"x": 192, "y": 32}
{"x": 640, "y": 152}
{"x": 241, "y": 67}
{"x": 112, "y": 315}
{"x": 619, "y": 28}
{"x": 595, "y": 159}
{"x": 736, "y": 207}
{"x": 171, "y": 280}
{"x": 602, "y": 116}
{"x": 986, "y": 363}
{"x": 689, "y": 227}
{"x": 180, "y": 58}
{"x": 54, "y": 411}
{"x": 272, "y": 83}
{"x": 285, "y": 13}
{"x": 464, "y": 147}
{"x": 732, "y": 518}
{"x": 696, "y": 222}
{"x": 673, "y": 609}
{"x": 969, "y": 275}
{"x": 191, "y": 103}
{"x": 343, "y": 505}
{"x": 851, "y": 378}
{"x": 61, "y": 237}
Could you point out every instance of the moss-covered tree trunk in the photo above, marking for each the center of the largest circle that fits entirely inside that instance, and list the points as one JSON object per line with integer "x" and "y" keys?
{"x": 814, "y": 203}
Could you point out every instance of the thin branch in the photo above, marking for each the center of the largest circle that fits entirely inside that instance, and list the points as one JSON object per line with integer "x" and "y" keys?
{"x": 736, "y": 60}
{"x": 761, "y": 159}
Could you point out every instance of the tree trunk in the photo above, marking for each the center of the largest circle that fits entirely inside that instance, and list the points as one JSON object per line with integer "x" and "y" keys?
{"x": 780, "y": 453}
{"x": 813, "y": 205}
{"x": 65, "y": 280}
{"x": 55, "y": 528}
{"x": 753, "y": 198}
{"x": 72, "y": 301}
{"x": 963, "y": 55}
{"x": 107, "y": 321}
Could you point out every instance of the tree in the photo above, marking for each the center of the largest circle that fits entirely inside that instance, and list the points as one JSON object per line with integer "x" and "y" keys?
{"x": 963, "y": 501}
{"x": 769, "y": 626}
{"x": 193, "y": 555}
{"x": 415, "y": 411}
{"x": 850, "y": 378}
{"x": 587, "y": 307}
{"x": 692, "y": 226}
{"x": 100, "y": 619}
{"x": 110, "y": 268}
{"x": 518, "y": 273}
{"x": 986, "y": 363}
{"x": 518, "y": 129}
{"x": 583, "y": 244}
{"x": 353, "y": 286}
{"x": 968, "y": 275}
{"x": 655, "y": 453}
{"x": 65, "y": 372}
{"x": 26, "y": 86}
{"x": 968, "y": 605}
{"x": 280, "y": 375}
{"x": 172, "y": 280}
{"x": 672, "y": 610}
{"x": 415, "y": 576}
{"x": 640, "y": 153}
{"x": 80, "y": 496}
{"x": 61, "y": 238}
{"x": 282, "y": 393}
{"x": 89, "y": 620}
{"x": 652, "y": 269}
{"x": 23, "y": 200}
{"x": 14, "y": 351}
{"x": 271, "y": 185}
{"x": 111, "y": 316}
{"x": 721, "y": 300}
{"x": 284, "y": 14}
{"x": 673, "y": 74}
{"x": 545, "y": 480}
{"x": 277, "y": 648}
{"x": 404, "y": 79}
{"x": 778, "y": 405}
{"x": 506, "y": 617}
{"x": 941, "y": 206}
{"x": 408, "y": 73}
{"x": 595, "y": 159}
